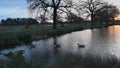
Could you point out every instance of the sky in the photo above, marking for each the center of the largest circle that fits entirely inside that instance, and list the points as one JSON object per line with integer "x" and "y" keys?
{"x": 13, "y": 9}
{"x": 114, "y": 2}
{"x": 18, "y": 8}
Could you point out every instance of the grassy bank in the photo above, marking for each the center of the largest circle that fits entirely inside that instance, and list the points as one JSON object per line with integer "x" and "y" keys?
{"x": 11, "y": 38}
{"x": 65, "y": 61}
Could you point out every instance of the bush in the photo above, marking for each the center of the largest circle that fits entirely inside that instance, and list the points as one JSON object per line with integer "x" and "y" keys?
{"x": 7, "y": 41}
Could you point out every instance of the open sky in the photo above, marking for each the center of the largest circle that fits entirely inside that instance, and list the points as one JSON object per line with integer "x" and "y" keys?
{"x": 114, "y": 2}
{"x": 13, "y": 9}
{"x": 18, "y": 8}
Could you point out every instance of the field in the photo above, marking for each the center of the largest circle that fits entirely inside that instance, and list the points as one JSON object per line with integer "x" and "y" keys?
{"x": 11, "y": 36}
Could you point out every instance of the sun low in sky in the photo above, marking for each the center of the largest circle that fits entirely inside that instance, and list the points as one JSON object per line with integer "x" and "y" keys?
{"x": 116, "y": 3}
{"x": 117, "y": 18}
{"x": 18, "y": 8}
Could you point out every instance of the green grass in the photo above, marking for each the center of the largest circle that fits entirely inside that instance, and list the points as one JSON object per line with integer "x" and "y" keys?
{"x": 11, "y": 38}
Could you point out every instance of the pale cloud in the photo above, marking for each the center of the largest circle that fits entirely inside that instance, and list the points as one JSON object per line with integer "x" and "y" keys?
{"x": 13, "y": 12}
{"x": 18, "y": 8}
{"x": 13, "y": 9}
{"x": 114, "y": 2}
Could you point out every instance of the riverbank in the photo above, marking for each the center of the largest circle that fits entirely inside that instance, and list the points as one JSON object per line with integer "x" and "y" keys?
{"x": 65, "y": 61}
{"x": 14, "y": 38}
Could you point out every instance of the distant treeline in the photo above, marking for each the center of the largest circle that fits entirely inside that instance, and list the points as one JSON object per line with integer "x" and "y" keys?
{"x": 18, "y": 21}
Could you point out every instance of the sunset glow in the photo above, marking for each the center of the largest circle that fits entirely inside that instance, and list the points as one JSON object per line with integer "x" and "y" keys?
{"x": 117, "y": 18}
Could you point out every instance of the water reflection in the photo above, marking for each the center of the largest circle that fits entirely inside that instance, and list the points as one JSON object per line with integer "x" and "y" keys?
{"x": 103, "y": 41}
{"x": 13, "y": 55}
{"x": 114, "y": 31}
{"x": 20, "y": 51}
{"x": 56, "y": 45}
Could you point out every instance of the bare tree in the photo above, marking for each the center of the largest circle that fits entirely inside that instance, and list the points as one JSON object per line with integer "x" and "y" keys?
{"x": 74, "y": 12}
{"x": 71, "y": 17}
{"x": 90, "y": 7}
{"x": 107, "y": 13}
{"x": 42, "y": 18}
{"x": 47, "y": 5}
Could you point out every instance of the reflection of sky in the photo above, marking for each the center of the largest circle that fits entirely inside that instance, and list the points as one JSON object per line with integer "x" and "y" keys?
{"x": 103, "y": 42}
{"x": 18, "y": 8}
{"x": 114, "y": 31}
{"x": 26, "y": 53}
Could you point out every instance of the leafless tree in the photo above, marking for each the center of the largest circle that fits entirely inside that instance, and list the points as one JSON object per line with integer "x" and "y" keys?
{"x": 107, "y": 13}
{"x": 73, "y": 13}
{"x": 41, "y": 6}
{"x": 90, "y": 7}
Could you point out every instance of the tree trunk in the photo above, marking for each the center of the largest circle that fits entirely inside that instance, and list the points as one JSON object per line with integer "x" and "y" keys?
{"x": 54, "y": 17}
{"x": 62, "y": 24}
{"x": 107, "y": 23}
{"x": 101, "y": 23}
{"x": 113, "y": 20}
{"x": 92, "y": 20}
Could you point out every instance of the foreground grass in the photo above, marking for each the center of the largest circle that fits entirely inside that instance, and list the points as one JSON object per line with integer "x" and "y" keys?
{"x": 65, "y": 61}
{"x": 11, "y": 38}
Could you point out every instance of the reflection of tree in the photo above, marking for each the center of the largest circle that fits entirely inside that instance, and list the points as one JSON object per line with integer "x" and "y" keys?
{"x": 54, "y": 40}
{"x": 56, "y": 45}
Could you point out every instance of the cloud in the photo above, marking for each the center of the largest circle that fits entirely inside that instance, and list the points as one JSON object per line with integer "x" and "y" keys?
{"x": 114, "y": 2}
{"x": 13, "y": 9}
{"x": 13, "y": 12}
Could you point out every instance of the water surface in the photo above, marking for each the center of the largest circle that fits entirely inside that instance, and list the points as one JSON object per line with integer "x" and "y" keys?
{"x": 103, "y": 41}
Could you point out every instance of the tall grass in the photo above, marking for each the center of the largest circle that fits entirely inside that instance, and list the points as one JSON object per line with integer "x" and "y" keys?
{"x": 8, "y": 40}
{"x": 89, "y": 61}
{"x": 69, "y": 61}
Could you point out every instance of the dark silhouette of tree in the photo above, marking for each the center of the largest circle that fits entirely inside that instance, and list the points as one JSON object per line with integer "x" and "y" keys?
{"x": 42, "y": 19}
{"x": 107, "y": 13}
{"x": 73, "y": 14}
{"x": 18, "y": 21}
{"x": 90, "y": 7}
{"x": 46, "y": 6}
{"x": 2, "y": 22}
{"x": 74, "y": 18}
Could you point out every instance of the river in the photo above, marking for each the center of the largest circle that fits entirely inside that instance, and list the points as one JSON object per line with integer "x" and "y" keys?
{"x": 103, "y": 41}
